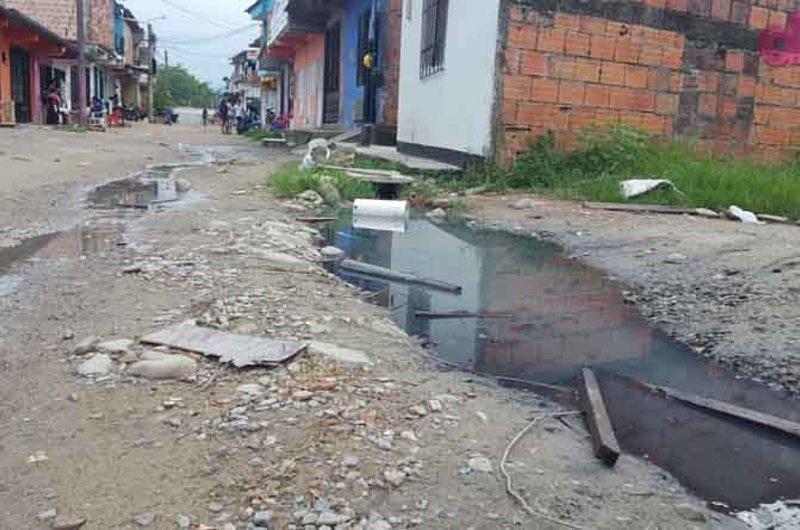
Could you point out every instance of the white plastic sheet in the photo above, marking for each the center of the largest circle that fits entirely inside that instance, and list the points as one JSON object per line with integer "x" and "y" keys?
{"x": 743, "y": 215}
{"x": 636, "y": 187}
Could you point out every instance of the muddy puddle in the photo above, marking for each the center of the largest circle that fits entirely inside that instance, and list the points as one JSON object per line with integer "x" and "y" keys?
{"x": 539, "y": 316}
{"x": 113, "y": 205}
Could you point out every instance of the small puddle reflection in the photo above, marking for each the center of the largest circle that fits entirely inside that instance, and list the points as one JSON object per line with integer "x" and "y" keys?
{"x": 550, "y": 316}
{"x": 155, "y": 188}
{"x": 134, "y": 193}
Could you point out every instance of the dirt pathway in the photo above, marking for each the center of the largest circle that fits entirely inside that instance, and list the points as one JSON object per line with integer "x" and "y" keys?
{"x": 322, "y": 444}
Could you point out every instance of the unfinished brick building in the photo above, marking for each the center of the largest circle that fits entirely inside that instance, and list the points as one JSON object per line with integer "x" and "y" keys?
{"x": 59, "y": 17}
{"x": 688, "y": 68}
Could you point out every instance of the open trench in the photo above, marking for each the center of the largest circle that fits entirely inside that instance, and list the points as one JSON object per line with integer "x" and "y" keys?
{"x": 527, "y": 312}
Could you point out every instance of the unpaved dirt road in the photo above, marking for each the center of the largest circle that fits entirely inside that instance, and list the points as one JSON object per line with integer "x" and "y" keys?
{"x": 320, "y": 444}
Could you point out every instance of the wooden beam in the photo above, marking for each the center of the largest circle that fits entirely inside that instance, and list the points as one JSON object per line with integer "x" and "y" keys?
{"x": 760, "y": 419}
{"x": 443, "y": 315}
{"x": 604, "y": 441}
{"x": 636, "y": 208}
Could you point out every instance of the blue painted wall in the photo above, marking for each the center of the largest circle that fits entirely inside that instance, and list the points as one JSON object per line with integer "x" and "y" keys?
{"x": 353, "y": 95}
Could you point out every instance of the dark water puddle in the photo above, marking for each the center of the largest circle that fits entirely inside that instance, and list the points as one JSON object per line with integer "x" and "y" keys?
{"x": 550, "y": 317}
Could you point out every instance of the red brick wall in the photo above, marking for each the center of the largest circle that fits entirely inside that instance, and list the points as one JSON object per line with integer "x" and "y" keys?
{"x": 567, "y": 73}
{"x": 60, "y": 18}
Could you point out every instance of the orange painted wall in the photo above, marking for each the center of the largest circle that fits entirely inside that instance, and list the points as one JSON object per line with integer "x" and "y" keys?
{"x": 5, "y": 78}
{"x": 308, "y": 71}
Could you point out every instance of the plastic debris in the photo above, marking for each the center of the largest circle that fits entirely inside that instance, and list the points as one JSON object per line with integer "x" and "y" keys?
{"x": 318, "y": 153}
{"x": 734, "y": 212}
{"x": 636, "y": 187}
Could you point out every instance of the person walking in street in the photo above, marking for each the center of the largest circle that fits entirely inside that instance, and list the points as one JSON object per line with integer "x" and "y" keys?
{"x": 205, "y": 119}
{"x": 238, "y": 113}
{"x": 224, "y": 117}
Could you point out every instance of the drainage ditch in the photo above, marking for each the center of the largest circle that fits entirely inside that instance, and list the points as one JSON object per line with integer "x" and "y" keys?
{"x": 527, "y": 311}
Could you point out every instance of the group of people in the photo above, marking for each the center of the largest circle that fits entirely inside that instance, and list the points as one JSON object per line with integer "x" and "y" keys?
{"x": 57, "y": 113}
{"x": 233, "y": 112}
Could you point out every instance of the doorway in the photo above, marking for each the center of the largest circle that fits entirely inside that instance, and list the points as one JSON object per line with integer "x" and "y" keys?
{"x": 21, "y": 85}
{"x": 330, "y": 106}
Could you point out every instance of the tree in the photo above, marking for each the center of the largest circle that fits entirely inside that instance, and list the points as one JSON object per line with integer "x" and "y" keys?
{"x": 177, "y": 87}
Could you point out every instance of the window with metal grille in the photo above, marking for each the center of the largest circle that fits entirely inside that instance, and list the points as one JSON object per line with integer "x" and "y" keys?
{"x": 434, "y": 32}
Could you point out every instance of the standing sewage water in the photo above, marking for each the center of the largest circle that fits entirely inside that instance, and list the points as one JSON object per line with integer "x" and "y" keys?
{"x": 539, "y": 316}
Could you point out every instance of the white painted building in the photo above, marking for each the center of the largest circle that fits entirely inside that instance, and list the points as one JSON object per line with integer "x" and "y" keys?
{"x": 447, "y": 79}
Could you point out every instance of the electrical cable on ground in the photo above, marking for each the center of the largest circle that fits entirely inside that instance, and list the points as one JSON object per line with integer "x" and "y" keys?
{"x": 510, "y": 488}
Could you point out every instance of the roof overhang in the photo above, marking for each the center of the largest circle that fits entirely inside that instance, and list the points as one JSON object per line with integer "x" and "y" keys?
{"x": 16, "y": 24}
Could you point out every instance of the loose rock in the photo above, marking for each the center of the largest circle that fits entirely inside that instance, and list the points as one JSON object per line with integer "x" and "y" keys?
{"x": 166, "y": 367}
{"x": 395, "y": 477}
{"x": 99, "y": 365}
{"x": 85, "y": 346}
{"x": 68, "y": 523}
{"x": 145, "y": 519}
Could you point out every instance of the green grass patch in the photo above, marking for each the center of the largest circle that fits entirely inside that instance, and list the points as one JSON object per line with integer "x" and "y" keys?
{"x": 290, "y": 181}
{"x": 608, "y": 156}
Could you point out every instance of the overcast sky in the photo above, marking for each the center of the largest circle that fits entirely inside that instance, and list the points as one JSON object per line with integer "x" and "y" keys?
{"x": 199, "y": 34}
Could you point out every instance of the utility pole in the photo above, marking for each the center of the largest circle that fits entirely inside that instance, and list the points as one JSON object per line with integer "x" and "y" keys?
{"x": 166, "y": 60}
{"x": 151, "y": 43}
{"x": 81, "y": 63}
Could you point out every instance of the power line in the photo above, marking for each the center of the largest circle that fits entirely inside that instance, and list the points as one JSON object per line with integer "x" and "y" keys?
{"x": 220, "y": 36}
{"x": 196, "y": 15}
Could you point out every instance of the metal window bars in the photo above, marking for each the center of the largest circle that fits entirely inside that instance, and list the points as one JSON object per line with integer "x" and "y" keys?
{"x": 434, "y": 32}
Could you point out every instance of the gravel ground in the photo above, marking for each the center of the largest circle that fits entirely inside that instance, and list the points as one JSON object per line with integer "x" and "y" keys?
{"x": 316, "y": 444}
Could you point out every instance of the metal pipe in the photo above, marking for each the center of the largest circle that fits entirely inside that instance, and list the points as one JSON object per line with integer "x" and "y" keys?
{"x": 81, "y": 62}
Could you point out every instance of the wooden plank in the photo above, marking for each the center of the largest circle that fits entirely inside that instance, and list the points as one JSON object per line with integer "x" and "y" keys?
{"x": 384, "y": 172}
{"x": 636, "y": 208}
{"x": 604, "y": 441}
{"x": 239, "y": 350}
{"x": 381, "y": 179}
{"x": 734, "y": 411}
{"x": 314, "y": 220}
{"x": 443, "y": 315}
{"x": 388, "y": 274}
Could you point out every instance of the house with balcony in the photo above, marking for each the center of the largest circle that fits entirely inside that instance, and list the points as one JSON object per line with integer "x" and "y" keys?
{"x": 128, "y": 69}
{"x": 244, "y": 82}
{"x": 338, "y": 61}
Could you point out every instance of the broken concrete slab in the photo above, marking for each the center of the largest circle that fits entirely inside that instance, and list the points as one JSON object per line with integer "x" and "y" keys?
{"x": 164, "y": 366}
{"x": 339, "y": 354}
{"x": 604, "y": 441}
{"x": 238, "y": 350}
